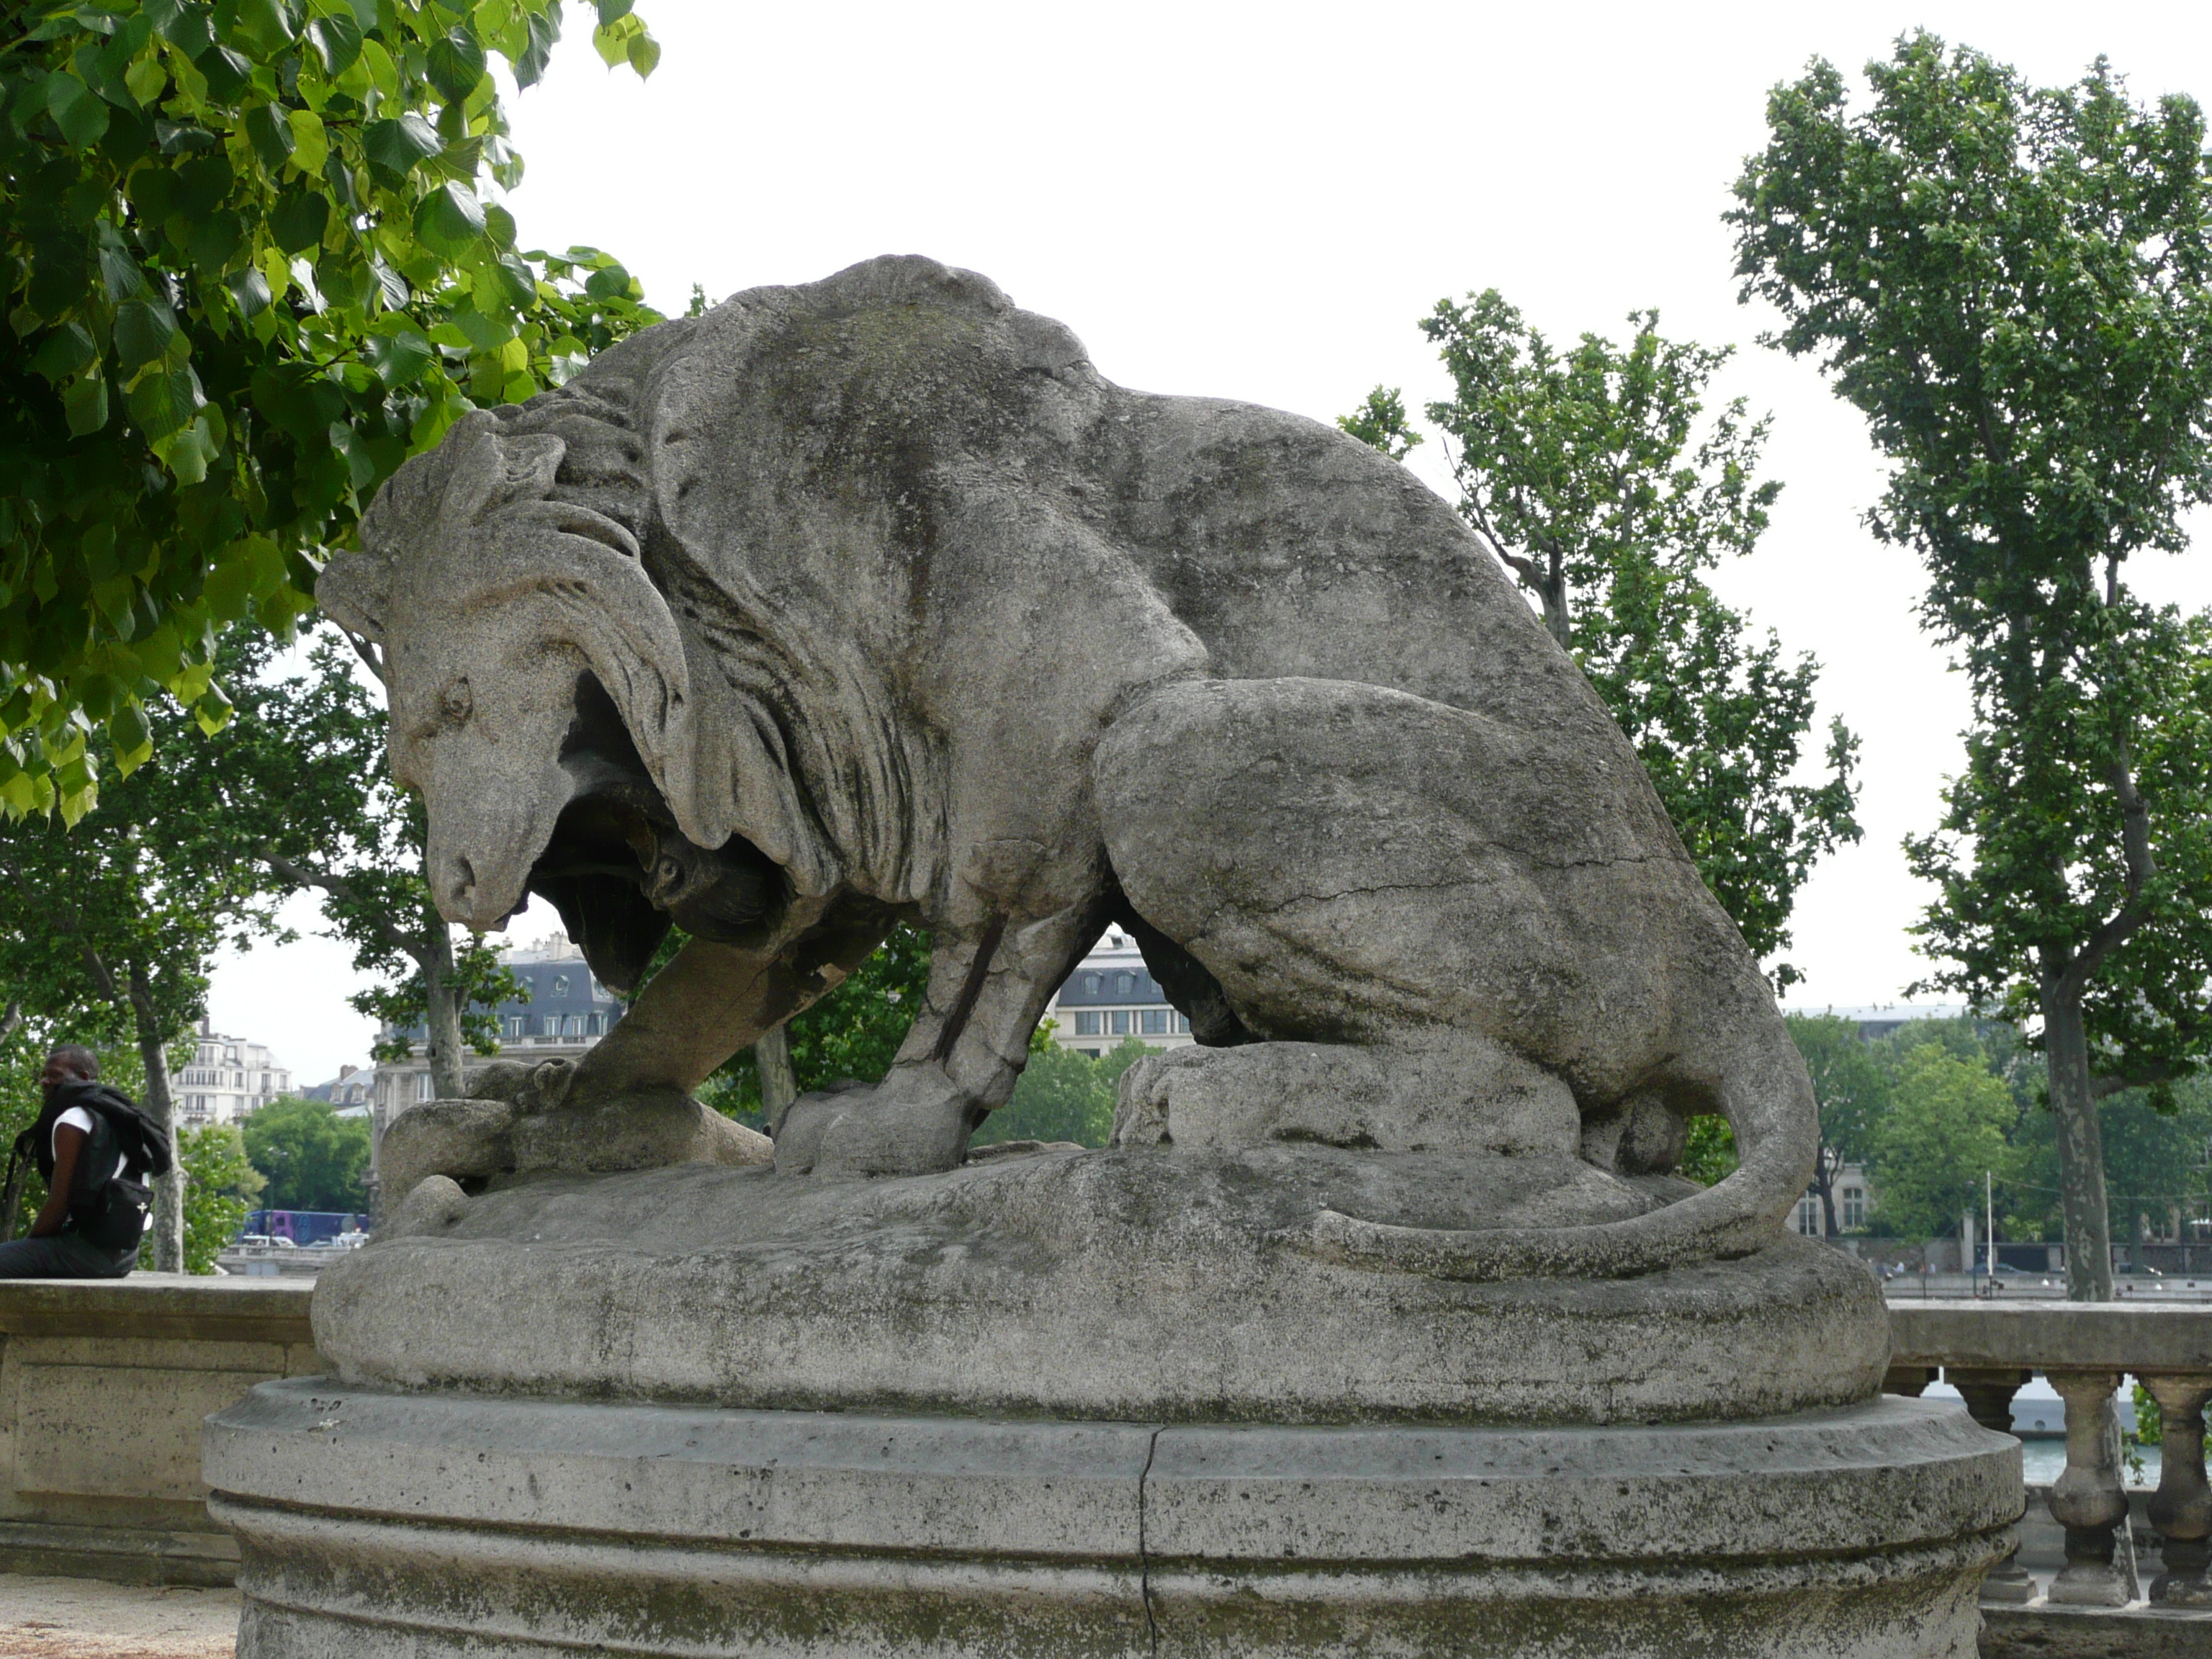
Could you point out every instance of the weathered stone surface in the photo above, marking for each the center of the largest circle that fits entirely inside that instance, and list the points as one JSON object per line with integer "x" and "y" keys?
{"x": 103, "y": 1387}
{"x": 2115, "y": 1336}
{"x": 1145, "y": 1283}
{"x": 759, "y": 625}
{"x": 378, "y": 1525}
{"x": 464, "y": 1139}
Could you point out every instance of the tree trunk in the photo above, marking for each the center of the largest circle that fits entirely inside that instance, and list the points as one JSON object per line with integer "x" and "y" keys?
{"x": 448, "y": 1080}
{"x": 1825, "y": 1163}
{"x": 779, "y": 1082}
{"x": 169, "y": 1190}
{"x": 2081, "y": 1149}
{"x": 1552, "y": 591}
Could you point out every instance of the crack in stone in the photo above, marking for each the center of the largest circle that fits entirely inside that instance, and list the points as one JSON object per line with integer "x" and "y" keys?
{"x": 1144, "y": 1552}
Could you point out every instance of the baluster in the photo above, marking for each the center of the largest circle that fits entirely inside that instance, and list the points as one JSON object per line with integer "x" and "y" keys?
{"x": 1988, "y": 1393}
{"x": 2181, "y": 1508}
{"x": 2089, "y": 1500}
{"x": 1907, "y": 1380}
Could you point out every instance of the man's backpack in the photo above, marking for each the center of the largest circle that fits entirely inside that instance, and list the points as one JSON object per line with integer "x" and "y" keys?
{"x": 107, "y": 1209}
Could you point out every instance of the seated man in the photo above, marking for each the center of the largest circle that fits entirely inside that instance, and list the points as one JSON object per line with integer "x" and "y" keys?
{"x": 97, "y": 1207}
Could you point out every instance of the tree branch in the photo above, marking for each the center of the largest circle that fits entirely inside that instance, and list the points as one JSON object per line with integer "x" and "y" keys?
{"x": 367, "y": 651}
{"x": 302, "y": 875}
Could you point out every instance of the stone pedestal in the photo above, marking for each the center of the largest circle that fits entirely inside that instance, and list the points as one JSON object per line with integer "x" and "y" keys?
{"x": 375, "y": 1525}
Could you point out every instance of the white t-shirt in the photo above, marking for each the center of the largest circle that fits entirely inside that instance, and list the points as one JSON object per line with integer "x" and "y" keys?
{"x": 77, "y": 1118}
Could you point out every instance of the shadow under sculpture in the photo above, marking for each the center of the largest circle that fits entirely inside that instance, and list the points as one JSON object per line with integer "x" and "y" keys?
{"x": 871, "y": 600}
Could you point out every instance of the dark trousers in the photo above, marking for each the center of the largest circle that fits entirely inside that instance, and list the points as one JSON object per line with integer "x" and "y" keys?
{"x": 62, "y": 1255}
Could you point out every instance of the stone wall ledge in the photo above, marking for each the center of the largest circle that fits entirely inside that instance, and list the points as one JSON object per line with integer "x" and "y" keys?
{"x": 185, "y": 1306}
{"x": 104, "y": 1384}
{"x": 2044, "y": 1336}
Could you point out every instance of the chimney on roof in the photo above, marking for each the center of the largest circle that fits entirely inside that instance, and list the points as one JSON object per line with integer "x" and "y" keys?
{"x": 345, "y": 1072}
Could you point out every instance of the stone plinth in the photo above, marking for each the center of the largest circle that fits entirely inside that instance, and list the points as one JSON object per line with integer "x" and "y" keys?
{"x": 376, "y": 1525}
{"x": 1116, "y": 1285}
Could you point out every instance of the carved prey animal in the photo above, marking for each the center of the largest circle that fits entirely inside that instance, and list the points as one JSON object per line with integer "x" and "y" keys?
{"x": 872, "y": 599}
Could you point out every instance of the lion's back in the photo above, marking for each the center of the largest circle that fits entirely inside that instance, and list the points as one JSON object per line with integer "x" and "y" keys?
{"x": 1292, "y": 550}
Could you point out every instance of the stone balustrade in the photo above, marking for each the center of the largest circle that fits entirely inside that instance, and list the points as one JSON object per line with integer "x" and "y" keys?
{"x": 104, "y": 1385}
{"x": 1988, "y": 1350}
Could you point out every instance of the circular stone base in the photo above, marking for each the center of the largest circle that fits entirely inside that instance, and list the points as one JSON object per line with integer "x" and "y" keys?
{"x": 389, "y": 1526}
{"x": 1144, "y": 1284}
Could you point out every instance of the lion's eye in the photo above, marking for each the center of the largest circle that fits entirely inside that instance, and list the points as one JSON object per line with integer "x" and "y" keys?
{"x": 459, "y": 701}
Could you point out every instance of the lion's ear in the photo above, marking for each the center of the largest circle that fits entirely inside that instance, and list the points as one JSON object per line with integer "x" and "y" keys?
{"x": 356, "y": 590}
{"x": 487, "y": 469}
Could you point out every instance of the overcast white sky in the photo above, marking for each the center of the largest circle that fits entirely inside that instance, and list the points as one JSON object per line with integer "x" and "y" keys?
{"x": 1258, "y": 201}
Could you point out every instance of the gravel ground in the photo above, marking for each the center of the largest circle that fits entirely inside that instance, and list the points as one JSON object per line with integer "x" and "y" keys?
{"x": 86, "y": 1618}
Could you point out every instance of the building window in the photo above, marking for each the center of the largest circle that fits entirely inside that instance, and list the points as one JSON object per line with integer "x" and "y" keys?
{"x": 517, "y": 1026}
{"x": 1090, "y": 984}
{"x": 1854, "y": 1208}
{"x": 423, "y": 1087}
{"x": 1086, "y": 1025}
{"x": 1183, "y": 1024}
{"x": 1808, "y": 1216}
{"x": 1093, "y": 1053}
{"x": 1125, "y": 983}
{"x": 573, "y": 1025}
{"x": 560, "y": 985}
{"x": 1121, "y": 1019}
{"x": 1155, "y": 1022}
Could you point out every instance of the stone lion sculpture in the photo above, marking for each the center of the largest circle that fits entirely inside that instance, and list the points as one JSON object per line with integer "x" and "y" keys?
{"x": 871, "y": 600}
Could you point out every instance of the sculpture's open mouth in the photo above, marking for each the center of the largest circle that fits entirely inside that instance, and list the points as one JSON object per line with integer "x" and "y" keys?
{"x": 619, "y": 871}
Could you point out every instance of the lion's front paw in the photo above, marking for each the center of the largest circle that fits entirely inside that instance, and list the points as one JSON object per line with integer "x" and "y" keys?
{"x": 642, "y": 1129}
{"x": 913, "y": 1123}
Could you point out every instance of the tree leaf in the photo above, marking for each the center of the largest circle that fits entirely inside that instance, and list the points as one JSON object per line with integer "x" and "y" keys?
{"x": 298, "y": 221}
{"x": 129, "y": 739}
{"x": 456, "y": 64}
{"x": 143, "y": 329}
{"x": 339, "y": 40}
{"x": 314, "y": 144}
{"x": 146, "y": 78}
{"x": 394, "y": 146}
{"x": 178, "y": 138}
{"x": 266, "y": 25}
{"x": 64, "y": 352}
{"x": 203, "y": 183}
{"x": 249, "y": 288}
{"x": 271, "y": 135}
{"x": 85, "y": 406}
{"x": 610, "y": 281}
{"x": 228, "y": 73}
{"x": 449, "y": 220}
{"x": 216, "y": 241}
{"x": 644, "y": 54}
{"x": 76, "y": 109}
{"x": 213, "y": 710}
{"x": 612, "y": 41}
{"x": 544, "y": 29}
{"x": 164, "y": 399}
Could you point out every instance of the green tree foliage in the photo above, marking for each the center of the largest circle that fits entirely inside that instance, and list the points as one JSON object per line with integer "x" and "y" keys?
{"x": 106, "y": 929}
{"x": 2015, "y": 285}
{"x": 219, "y": 1188}
{"x": 1063, "y": 1095}
{"x": 1382, "y": 423}
{"x": 1709, "y": 1153}
{"x": 311, "y": 1158}
{"x": 248, "y": 266}
{"x": 1598, "y": 478}
{"x": 1947, "y": 1125}
{"x": 1853, "y": 1095}
{"x": 855, "y": 1032}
